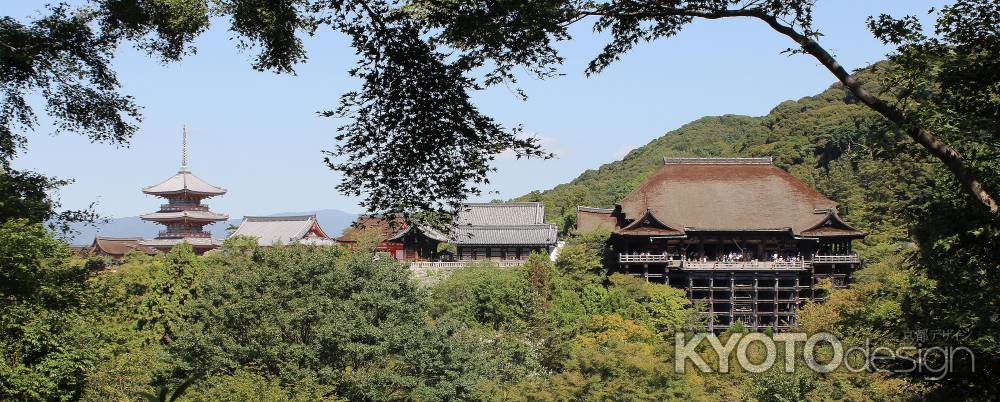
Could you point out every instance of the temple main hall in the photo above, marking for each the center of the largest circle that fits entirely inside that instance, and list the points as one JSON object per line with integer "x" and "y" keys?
{"x": 742, "y": 237}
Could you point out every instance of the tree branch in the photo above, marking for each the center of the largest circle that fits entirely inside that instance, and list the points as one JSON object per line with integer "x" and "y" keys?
{"x": 938, "y": 148}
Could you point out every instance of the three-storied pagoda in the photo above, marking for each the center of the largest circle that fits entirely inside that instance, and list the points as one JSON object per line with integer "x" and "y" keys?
{"x": 184, "y": 215}
{"x": 749, "y": 240}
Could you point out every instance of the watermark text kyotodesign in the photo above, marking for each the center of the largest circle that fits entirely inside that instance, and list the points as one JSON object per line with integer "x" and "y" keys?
{"x": 935, "y": 362}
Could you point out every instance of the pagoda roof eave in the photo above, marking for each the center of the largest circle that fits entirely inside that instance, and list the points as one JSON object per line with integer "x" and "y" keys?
{"x": 184, "y": 181}
{"x": 196, "y": 216}
{"x": 176, "y": 192}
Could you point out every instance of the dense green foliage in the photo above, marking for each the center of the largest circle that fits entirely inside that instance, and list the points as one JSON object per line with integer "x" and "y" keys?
{"x": 320, "y": 323}
{"x": 55, "y": 327}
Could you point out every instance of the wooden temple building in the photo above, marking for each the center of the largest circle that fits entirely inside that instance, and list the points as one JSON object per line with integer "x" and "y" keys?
{"x": 481, "y": 231}
{"x": 116, "y": 247}
{"x": 379, "y": 231}
{"x": 184, "y": 215}
{"x": 502, "y": 231}
{"x": 283, "y": 230}
{"x": 742, "y": 236}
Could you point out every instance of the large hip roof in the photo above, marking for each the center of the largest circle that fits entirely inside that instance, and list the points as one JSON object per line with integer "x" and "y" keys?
{"x": 729, "y": 194}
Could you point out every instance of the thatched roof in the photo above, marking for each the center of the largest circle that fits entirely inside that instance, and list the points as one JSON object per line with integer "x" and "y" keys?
{"x": 724, "y": 194}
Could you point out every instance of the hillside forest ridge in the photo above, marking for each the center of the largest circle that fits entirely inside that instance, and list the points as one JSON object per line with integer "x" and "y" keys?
{"x": 906, "y": 149}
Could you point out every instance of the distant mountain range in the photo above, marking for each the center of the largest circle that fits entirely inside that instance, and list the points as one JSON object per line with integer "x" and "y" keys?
{"x": 333, "y": 222}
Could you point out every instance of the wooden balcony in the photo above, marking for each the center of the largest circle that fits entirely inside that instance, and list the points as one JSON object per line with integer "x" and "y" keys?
{"x": 644, "y": 258}
{"x": 166, "y": 234}
{"x": 675, "y": 261}
{"x": 747, "y": 265}
{"x": 836, "y": 259}
{"x": 182, "y": 207}
{"x": 465, "y": 263}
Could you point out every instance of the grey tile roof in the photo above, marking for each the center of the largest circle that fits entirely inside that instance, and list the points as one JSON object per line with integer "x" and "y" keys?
{"x": 184, "y": 181}
{"x": 543, "y": 234}
{"x": 428, "y": 231}
{"x": 595, "y": 210}
{"x": 507, "y": 214}
{"x": 281, "y": 229}
{"x": 515, "y": 223}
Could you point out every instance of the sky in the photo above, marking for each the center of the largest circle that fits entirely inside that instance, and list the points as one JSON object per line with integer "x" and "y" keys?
{"x": 258, "y": 134}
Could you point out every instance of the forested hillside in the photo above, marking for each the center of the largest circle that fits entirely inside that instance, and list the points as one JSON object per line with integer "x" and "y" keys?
{"x": 827, "y": 140}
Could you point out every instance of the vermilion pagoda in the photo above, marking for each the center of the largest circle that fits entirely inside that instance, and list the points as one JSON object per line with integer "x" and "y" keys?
{"x": 184, "y": 215}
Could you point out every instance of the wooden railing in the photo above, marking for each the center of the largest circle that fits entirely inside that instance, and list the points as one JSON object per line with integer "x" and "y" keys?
{"x": 177, "y": 235}
{"x": 835, "y": 259}
{"x": 778, "y": 265}
{"x": 648, "y": 258}
{"x": 183, "y": 207}
{"x": 675, "y": 261}
{"x": 460, "y": 264}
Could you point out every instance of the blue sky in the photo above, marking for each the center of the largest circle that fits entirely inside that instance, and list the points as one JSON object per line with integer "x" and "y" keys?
{"x": 258, "y": 135}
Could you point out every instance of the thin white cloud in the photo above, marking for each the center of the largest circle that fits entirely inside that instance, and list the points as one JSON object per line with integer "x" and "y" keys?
{"x": 622, "y": 151}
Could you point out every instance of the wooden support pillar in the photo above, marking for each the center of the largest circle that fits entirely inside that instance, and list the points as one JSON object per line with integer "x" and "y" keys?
{"x": 776, "y": 292}
{"x": 732, "y": 297}
{"x": 711, "y": 302}
{"x": 754, "y": 308}
{"x": 690, "y": 285}
{"x": 812, "y": 288}
{"x": 798, "y": 298}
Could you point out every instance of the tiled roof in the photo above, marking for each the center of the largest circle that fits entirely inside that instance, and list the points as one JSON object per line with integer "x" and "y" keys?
{"x": 649, "y": 225}
{"x": 178, "y": 215}
{"x": 831, "y": 225}
{"x": 544, "y": 234}
{"x": 727, "y": 194}
{"x": 515, "y": 223}
{"x": 476, "y": 224}
{"x": 118, "y": 246}
{"x": 506, "y": 214}
{"x": 427, "y": 230}
{"x": 184, "y": 181}
{"x": 588, "y": 219}
{"x": 283, "y": 230}
{"x": 386, "y": 227}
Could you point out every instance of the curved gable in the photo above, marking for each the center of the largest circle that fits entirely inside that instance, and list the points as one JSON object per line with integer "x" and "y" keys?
{"x": 649, "y": 225}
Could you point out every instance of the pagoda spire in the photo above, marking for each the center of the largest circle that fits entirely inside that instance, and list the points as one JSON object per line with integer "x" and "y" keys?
{"x": 184, "y": 152}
